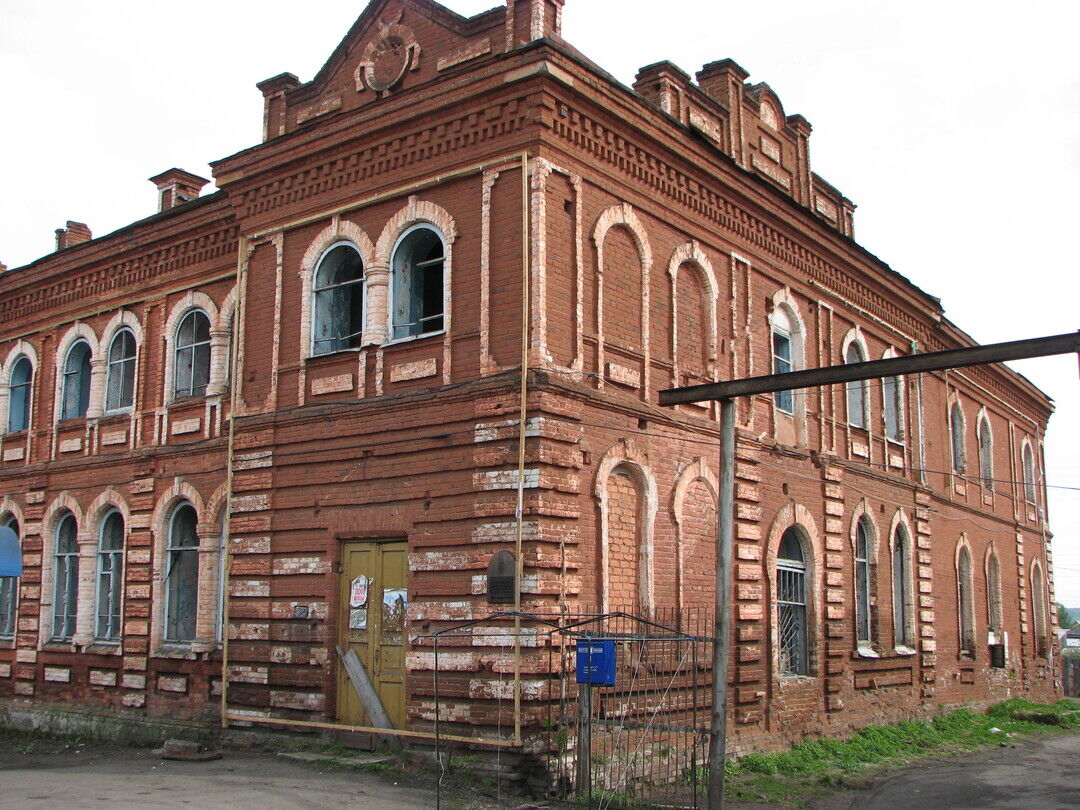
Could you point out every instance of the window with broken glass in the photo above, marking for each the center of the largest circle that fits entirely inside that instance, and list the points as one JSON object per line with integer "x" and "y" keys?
{"x": 76, "y": 386}
{"x": 65, "y": 578}
{"x": 120, "y": 379}
{"x": 22, "y": 374}
{"x": 192, "y": 371}
{"x": 9, "y": 592}
{"x": 419, "y": 299}
{"x": 791, "y": 605}
{"x": 181, "y": 574}
{"x": 110, "y": 577}
{"x": 338, "y": 313}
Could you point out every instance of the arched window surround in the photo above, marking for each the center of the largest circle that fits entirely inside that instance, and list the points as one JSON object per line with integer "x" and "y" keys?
{"x": 902, "y": 551}
{"x": 856, "y": 394}
{"x": 1039, "y": 609}
{"x": 865, "y": 642}
{"x": 697, "y": 470}
{"x": 12, "y": 511}
{"x": 76, "y": 333}
{"x": 786, "y": 308}
{"x": 1028, "y": 472}
{"x": 893, "y": 404}
{"x": 221, "y": 322}
{"x": 376, "y": 280}
{"x": 21, "y": 349}
{"x": 965, "y": 598}
{"x": 995, "y": 614}
{"x": 985, "y": 437}
{"x": 796, "y": 515}
{"x": 64, "y": 503}
{"x": 692, "y": 256}
{"x": 957, "y": 425}
{"x": 122, "y": 320}
{"x": 625, "y": 455}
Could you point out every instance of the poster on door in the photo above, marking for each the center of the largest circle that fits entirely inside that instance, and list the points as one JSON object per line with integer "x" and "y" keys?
{"x": 358, "y": 591}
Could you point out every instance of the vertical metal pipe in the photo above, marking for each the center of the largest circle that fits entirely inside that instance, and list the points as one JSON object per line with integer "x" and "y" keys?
{"x": 725, "y": 531}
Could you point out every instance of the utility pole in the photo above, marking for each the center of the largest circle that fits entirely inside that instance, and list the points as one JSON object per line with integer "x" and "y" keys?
{"x": 726, "y": 392}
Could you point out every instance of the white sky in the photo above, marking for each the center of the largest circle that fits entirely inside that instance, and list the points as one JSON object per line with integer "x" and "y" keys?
{"x": 955, "y": 126}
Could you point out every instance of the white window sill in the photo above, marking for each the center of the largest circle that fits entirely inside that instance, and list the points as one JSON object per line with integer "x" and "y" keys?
{"x": 865, "y": 651}
{"x": 902, "y": 650}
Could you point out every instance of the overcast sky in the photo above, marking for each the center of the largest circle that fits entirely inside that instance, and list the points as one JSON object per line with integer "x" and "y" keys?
{"x": 954, "y": 126}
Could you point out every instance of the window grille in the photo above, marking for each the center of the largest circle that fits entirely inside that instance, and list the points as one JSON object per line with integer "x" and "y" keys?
{"x": 182, "y": 575}
{"x": 110, "y": 577}
{"x": 22, "y": 374}
{"x": 120, "y": 380}
{"x": 192, "y": 371}
{"x": 418, "y": 284}
{"x": 65, "y": 579}
{"x": 338, "y": 320}
{"x": 791, "y": 606}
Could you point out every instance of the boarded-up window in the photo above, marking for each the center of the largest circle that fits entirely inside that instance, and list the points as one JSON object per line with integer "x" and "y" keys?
{"x": 624, "y": 538}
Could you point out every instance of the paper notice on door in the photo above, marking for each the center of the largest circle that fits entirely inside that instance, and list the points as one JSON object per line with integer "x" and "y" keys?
{"x": 358, "y": 591}
{"x": 395, "y": 606}
{"x": 358, "y": 619}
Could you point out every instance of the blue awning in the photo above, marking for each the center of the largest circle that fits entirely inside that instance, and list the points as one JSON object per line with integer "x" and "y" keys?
{"x": 10, "y": 553}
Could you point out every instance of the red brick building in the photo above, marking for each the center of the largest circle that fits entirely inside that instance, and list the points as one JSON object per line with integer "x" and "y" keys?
{"x": 321, "y": 362}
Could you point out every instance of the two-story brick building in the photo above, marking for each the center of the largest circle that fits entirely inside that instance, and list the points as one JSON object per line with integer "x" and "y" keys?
{"x": 290, "y": 414}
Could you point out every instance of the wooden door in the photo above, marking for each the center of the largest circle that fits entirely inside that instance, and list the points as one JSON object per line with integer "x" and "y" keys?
{"x": 374, "y": 604}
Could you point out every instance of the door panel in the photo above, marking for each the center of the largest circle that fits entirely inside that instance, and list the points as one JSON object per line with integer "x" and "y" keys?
{"x": 374, "y": 625}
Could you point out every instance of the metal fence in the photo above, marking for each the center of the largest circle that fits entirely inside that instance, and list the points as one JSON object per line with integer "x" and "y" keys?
{"x": 1071, "y": 672}
{"x": 643, "y": 738}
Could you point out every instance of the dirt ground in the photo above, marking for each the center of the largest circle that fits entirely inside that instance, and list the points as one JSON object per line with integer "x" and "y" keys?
{"x": 1040, "y": 773}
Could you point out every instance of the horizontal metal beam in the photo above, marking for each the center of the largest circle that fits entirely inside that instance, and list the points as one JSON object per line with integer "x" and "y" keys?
{"x": 875, "y": 369}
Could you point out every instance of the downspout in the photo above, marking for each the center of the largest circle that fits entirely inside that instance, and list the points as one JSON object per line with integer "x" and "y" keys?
{"x": 523, "y": 408}
{"x": 234, "y": 397}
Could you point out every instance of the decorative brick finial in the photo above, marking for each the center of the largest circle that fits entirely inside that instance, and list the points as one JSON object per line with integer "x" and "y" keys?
{"x": 177, "y": 186}
{"x": 75, "y": 233}
{"x": 529, "y": 20}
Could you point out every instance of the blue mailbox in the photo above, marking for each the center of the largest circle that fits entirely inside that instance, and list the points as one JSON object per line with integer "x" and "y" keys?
{"x": 596, "y": 661}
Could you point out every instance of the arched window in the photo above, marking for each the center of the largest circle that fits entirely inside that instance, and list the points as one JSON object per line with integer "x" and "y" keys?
{"x": 903, "y": 609}
{"x": 986, "y": 453}
{"x": 791, "y": 605}
{"x": 338, "y": 307}
{"x": 956, "y": 434}
{"x": 65, "y": 578}
{"x": 418, "y": 297}
{"x": 964, "y": 599}
{"x": 192, "y": 370}
{"x": 783, "y": 357}
{"x": 22, "y": 375}
{"x": 76, "y": 390}
{"x": 181, "y": 574}
{"x": 863, "y": 581}
{"x": 856, "y": 390}
{"x": 110, "y": 576}
{"x": 120, "y": 379}
{"x": 9, "y": 591}
{"x": 994, "y": 619}
{"x": 1028, "y": 457}
{"x": 892, "y": 395}
{"x": 1038, "y": 610}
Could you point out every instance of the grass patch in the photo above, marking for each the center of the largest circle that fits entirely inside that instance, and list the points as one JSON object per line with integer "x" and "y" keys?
{"x": 814, "y": 765}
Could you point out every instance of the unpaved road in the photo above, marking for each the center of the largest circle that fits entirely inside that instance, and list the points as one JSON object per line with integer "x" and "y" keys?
{"x": 1040, "y": 773}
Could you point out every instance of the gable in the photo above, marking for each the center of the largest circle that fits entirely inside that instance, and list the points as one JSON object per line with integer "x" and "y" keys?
{"x": 394, "y": 45}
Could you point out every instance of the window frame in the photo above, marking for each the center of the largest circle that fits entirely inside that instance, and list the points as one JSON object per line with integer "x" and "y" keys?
{"x": 26, "y": 412}
{"x": 864, "y": 532}
{"x": 986, "y": 452}
{"x": 359, "y": 283}
{"x": 114, "y": 559}
{"x": 893, "y": 408}
{"x": 783, "y": 401}
{"x": 1027, "y": 463}
{"x": 995, "y": 614}
{"x": 797, "y": 574}
{"x": 965, "y": 606}
{"x": 856, "y": 387}
{"x": 901, "y": 568}
{"x": 65, "y": 604}
{"x": 174, "y": 557}
{"x": 396, "y": 272}
{"x": 9, "y": 589}
{"x": 80, "y": 377}
{"x": 957, "y": 438}
{"x": 128, "y": 368}
{"x": 178, "y": 349}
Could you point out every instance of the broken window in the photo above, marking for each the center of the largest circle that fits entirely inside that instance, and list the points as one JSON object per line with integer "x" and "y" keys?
{"x": 863, "y": 581}
{"x": 110, "y": 576}
{"x": 22, "y": 374}
{"x": 181, "y": 574}
{"x": 76, "y": 391}
{"x": 963, "y": 590}
{"x": 418, "y": 283}
{"x": 338, "y": 321}
{"x": 120, "y": 379}
{"x": 65, "y": 578}
{"x": 856, "y": 389}
{"x": 986, "y": 453}
{"x": 956, "y": 433}
{"x": 903, "y": 625}
{"x": 9, "y": 592}
{"x": 192, "y": 371}
{"x": 791, "y": 605}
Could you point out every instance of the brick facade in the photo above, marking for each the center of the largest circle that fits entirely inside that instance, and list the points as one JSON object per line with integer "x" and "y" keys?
{"x": 664, "y": 226}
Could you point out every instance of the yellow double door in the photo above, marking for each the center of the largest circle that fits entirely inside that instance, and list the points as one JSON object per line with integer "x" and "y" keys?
{"x": 374, "y": 605}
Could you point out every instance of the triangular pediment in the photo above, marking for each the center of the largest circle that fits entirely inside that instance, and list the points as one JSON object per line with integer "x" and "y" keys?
{"x": 394, "y": 45}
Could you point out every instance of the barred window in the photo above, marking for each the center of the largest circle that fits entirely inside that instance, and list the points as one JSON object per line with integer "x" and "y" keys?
{"x": 110, "y": 577}
{"x": 65, "y": 578}
{"x": 791, "y": 605}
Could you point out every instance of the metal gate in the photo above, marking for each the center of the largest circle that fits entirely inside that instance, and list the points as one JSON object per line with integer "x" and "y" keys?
{"x": 642, "y": 739}
{"x": 1071, "y": 675}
